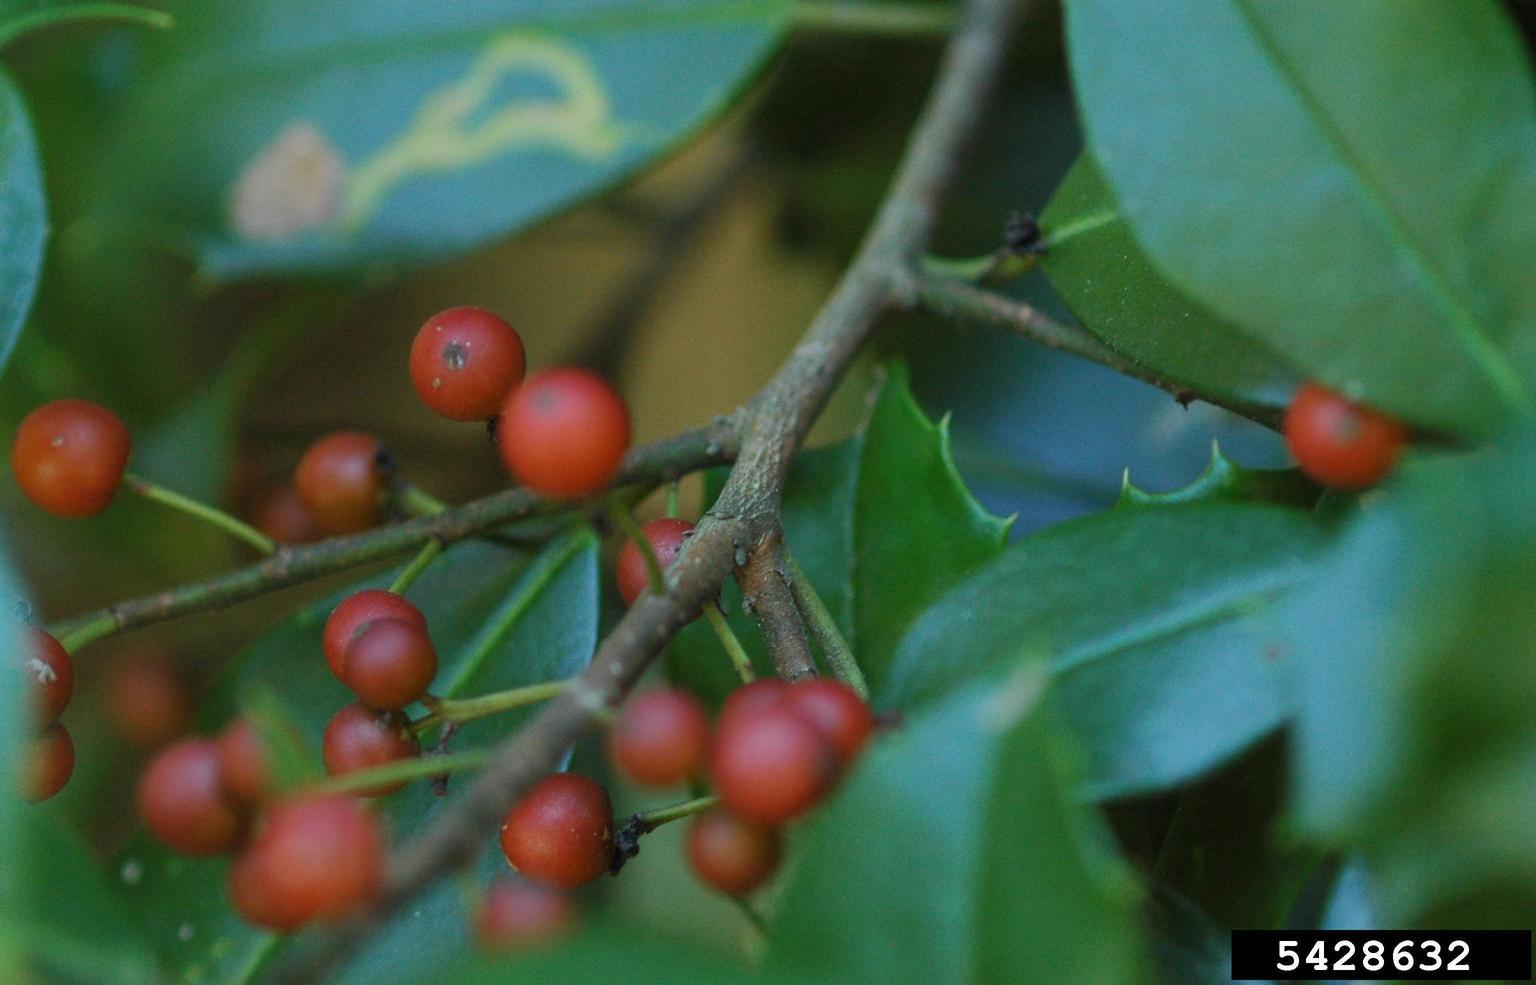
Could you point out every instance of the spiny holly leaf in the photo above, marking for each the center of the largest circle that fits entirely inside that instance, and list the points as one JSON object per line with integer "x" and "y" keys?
{"x": 1224, "y": 479}
{"x": 1296, "y": 179}
{"x": 1096, "y": 266}
{"x": 23, "y": 216}
{"x": 882, "y": 525}
{"x": 958, "y": 853}
{"x": 500, "y": 618}
{"x": 285, "y": 136}
{"x": 1159, "y": 625}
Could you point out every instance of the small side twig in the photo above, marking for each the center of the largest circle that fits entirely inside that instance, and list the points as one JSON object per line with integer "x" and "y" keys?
{"x": 766, "y": 595}
{"x": 818, "y": 619}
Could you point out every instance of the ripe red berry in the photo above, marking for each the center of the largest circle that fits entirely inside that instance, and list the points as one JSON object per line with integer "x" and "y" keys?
{"x": 47, "y": 760}
{"x": 563, "y": 433}
{"x": 660, "y": 738}
{"x": 358, "y": 737}
{"x": 243, "y": 769}
{"x": 69, "y": 457}
{"x": 762, "y": 693}
{"x": 732, "y": 855}
{"x": 666, "y": 537}
{"x": 1339, "y": 442}
{"x": 340, "y": 482}
{"x": 515, "y": 915}
{"x": 146, "y": 699}
{"x": 182, "y": 800}
{"x": 836, "y": 710}
{"x": 561, "y": 832}
{"x": 282, "y": 516}
{"x": 464, "y": 361}
{"x": 315, "y": 857}
{"x": 50, "y": 677}
{"x": 389, "y": 664}
{"x": 357, "y": 610}
{"x": 769, "y": 764}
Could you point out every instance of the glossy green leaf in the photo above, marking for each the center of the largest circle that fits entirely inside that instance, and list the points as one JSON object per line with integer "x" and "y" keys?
{"x": 882, "y": 525}
{"x": 500, "y": 618}
{"x": 1346, "y": 182}
{"x": 957, "y": 853}
{"x": 1098, "y": 268}
{"x": 295, "y": 137}
{"x": 23, "y": 216}
{"x": 18, "y": 19}
{"x": 607, "y": 955}
{"x": 1225, "y": 479}
{"x": 1159, "y": 626}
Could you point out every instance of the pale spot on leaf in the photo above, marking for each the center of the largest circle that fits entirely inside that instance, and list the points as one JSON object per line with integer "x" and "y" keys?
{"x": 291, "y": 186}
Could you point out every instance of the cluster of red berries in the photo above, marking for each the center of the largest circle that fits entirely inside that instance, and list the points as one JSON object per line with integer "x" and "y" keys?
{"x": 49, "y": 756}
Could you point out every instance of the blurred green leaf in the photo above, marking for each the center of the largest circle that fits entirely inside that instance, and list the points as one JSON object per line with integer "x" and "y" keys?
{"x": 958, "y": 853}
{"x": 23, "y": 216}
{"x": 1095, "y": 264}
{"x": 1159, "y": 625}
{"x": 282, "y": 136}
{"x": 882, "y": 525}
{"x": 1292, "y": 167}
{"x": 500, "y": 618}
{"x": 18, "y": 19}
{"x": 605, "y": 956}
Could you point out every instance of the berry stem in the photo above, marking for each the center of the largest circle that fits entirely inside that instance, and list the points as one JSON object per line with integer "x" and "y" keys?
{"x": 423, "y": 559}
{"x": 456, "y": 711}
{"x": 86, "y": 633}
{"x": 733, "y": 647}
{"x": 989, "y": 268}
{"x": 417, "y": 502}
{"x": 673, "y": 497}
{"x": 818, "y": 619}
{"x": 651, "y": 820}
{"x": 235, "y": 528}
{"x": 419, "y": 768}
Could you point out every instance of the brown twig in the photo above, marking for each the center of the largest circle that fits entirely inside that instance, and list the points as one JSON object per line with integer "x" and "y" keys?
{"x": 766, "y": 595}
{"x": 771, "y": 428}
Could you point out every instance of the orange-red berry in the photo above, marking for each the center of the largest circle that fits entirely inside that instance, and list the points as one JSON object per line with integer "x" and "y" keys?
{"x": 516, "y": 915}
{"x": 146, "y": 699}
{"x": 357, "y": 738}
{"x": 769, "y": 764}
{"x": 281, "y": 515}
{"x": 660, "y": 738}
{"x": 1339, "y": 442}
{"x": 314, "y": 857}
{"x": 732, "y": 855}
{"x": 560, "y": 833}
{"x": 836, "y": 710}
{"x": 340, "y": 482}
{"x": 50, "y": 676}
{"x": 182, "y": 800}
{"x": 563, "y": 433}
{"x": 464, "y": 361}
{"x": 389, "y": 664}
{"x": 666, "y": 538}
{"x": 47, "y": 760}
{"x": 761, "y": 693}
{"x": 356, "y": 611}
{"x": 69, "y": 457}
{"x": 243, "y": 768}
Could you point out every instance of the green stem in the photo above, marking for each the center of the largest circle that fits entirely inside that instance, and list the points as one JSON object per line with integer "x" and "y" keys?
{"x": 418, "y": 768}
{"x": 651, "y": 820}
{"x": 417, "y": 502}
{"x": 423, "y": 559}
{"x": 86, "y": 633}
{"x": 235, "y": 528}
{"x": 990, "y": 268}
{"x": 733, "y": 647}
{"x": 457, "y": 711}
{"x": 673, "y": 499}
{"x": 884, "y": 19}
{"x": 818, "y": 619}
{"x": 624, "y": 518}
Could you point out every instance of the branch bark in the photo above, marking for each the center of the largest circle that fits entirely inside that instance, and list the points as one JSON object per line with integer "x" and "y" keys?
{"x": 766, "y": 595}
{"x": 771, "y": 428}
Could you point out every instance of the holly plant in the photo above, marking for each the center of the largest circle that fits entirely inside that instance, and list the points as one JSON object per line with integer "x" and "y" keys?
{"x": 580, "y": 644}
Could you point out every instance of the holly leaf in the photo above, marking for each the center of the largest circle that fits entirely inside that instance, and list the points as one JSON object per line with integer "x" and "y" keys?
{"x": 882, "y": 525}
{"x": 1160, "y": 627}
{"x": 1346, "y": 183}
{"x": 607, "y": 956}
{"x": 500, "y": 618}
{"x": 23, "y": 216}
{"x": 1095, "y": 264}
{"x": 957, "y": 853}
{"x": 1224, "y": 479}
{"x": 286, "y": 137}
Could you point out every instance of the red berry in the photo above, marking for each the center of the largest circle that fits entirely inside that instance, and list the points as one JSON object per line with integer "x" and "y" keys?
{"x": 561, "y": 832}
{"x": 146, "y": 699}
{"x": 732, "y": 855}
{"x": 47, "y": 760}
{"x": 1339, "y": 442}
{"x": 243, "y": 768}
{"x": 517, "y": 914}
{"x": 762, "y": 693}
{"x": 358, "y": 737}
{"x": 355, "y": 611}
{"x": 666, "y": 537}
{"x": 282, "y": 516}
{"x": 50, "y": 677}
{"x": 661, "y": 737}
{"x": 837, "y": 711}
{"x": 769, "y": 764}
{"x": 340, "y": 482}
{"x": 69, "y": 457}
{"x": 182, "y": 800}
{"x": 390, "y": 663}
{"x": 315, "y": 857}
{"x": 563, "y": 433}
{"x": 464, "y": 361}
